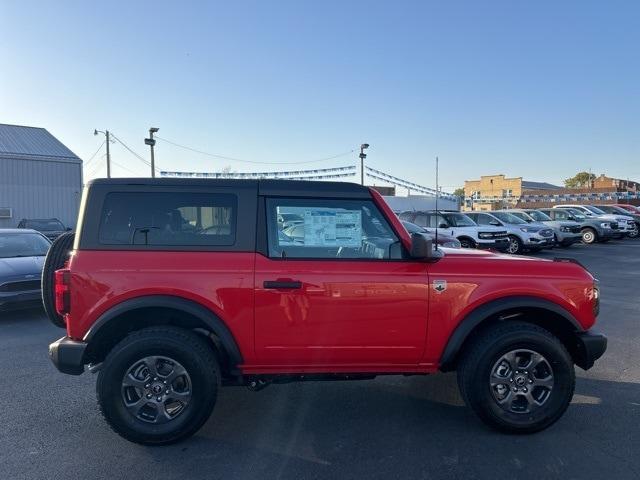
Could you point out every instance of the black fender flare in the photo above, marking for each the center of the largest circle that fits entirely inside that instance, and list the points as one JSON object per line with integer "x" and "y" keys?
{"x": 489, "y": 309}
{"x": 205, "y": 315}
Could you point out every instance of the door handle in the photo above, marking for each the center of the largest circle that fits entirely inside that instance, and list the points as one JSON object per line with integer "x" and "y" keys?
{"x": 282, "y": 284}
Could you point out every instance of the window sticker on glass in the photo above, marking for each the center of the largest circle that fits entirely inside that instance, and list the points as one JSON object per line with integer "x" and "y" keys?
{"x": 332, "y": 227}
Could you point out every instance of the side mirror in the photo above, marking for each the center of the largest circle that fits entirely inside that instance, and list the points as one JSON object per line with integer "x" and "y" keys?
{"x": 495, "y": 223}
{"x": 422, "y": 247}
{"x": 443, "y": 225}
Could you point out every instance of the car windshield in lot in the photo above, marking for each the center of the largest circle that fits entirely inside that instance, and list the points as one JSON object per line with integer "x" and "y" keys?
{"x": 508, "y": 217}
{"x": 539, "y": 216}
{"x": 44, "y": 225}
{"x": 577, "y": 214}
{"x": 459, "y": 220}
{"x": 14, "y": 245}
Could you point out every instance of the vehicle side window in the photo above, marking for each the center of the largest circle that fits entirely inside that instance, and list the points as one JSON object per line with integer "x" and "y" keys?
{"x": 421, "y": 220}
{"x": 168, "y": 219}
{"x": 436, "y": 220}
{"x": 329, "y": 229}
{"x": 561, "y": 215}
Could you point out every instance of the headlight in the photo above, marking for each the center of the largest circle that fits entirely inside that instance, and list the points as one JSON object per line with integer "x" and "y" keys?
{"x": 525, "y": 229}
{"x": 565, "y": 229}
{"x": 605, "y": 225}
{"x": 484, "y": 235}
{"x": 452, "y": 244}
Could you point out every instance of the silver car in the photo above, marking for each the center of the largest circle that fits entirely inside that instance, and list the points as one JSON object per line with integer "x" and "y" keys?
{"x": 566, "y": 233}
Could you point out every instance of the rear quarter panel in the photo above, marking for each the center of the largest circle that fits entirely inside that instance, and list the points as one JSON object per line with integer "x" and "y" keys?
{"x": 219, "y": 281}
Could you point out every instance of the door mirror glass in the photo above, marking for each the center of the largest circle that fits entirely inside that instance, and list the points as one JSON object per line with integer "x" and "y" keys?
{"x": 421, "y": 246}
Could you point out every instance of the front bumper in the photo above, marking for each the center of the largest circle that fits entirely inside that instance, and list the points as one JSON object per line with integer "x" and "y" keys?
{"x": 588, "y": 348}
{"x": 68, "y": 355}
{"x": 18, "y": 300}
{"x": 500, "y": 244}
{"x": 568, "y": 238}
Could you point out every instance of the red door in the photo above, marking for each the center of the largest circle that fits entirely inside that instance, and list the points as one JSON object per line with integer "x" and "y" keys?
{"x": 317, "y": 303}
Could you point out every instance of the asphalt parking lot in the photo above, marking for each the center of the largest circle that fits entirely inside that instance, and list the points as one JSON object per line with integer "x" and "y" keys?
{"x": 392, "y": 427}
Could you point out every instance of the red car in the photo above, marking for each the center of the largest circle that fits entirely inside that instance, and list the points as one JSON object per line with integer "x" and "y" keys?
{"x": 175, "y": 287}
{"x": 628, "y": 207}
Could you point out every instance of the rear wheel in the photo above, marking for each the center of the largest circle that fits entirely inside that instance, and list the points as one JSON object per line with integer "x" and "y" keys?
{"x": 589, "y": 235}
{"x": 56, "y": 257}
{"x": 158, "y": 385}
{"x": 517, "y": 377}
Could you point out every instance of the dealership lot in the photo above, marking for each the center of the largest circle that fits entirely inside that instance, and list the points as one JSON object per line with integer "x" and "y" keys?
{"x": 392, "y": 427}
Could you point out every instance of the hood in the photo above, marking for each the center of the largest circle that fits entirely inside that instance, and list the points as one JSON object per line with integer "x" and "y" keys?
{"x": 21, "y": 266}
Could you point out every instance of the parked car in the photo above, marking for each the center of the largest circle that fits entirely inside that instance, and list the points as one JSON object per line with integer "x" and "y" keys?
{"x": 522, "y": 235}
{"x": 592, "y": 229}
{"x": 565, "y": 233}
{"x": 52, "y": 228}
{"x": 22, "y": 255}
{"x": 628, "y": 207}
{"x": 615, "y": 210}
{"x": 460, "y": 226}
{"x": 186, "y": 312}
{"x": 442, "y": 239}
{"x": 624, "y": 223}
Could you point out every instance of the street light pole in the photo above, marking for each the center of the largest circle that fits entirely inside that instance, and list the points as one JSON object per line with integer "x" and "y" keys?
{"x": 106, "y": 134}
{"x": 363, "y": 155}
{"x": 152, "y": 143}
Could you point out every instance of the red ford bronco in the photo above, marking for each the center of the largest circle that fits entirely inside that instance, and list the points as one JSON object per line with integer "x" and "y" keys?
{"x": 171, "y": 288}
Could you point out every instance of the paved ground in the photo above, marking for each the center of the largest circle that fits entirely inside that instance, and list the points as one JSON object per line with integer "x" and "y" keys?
{"x": 388, "y": 428}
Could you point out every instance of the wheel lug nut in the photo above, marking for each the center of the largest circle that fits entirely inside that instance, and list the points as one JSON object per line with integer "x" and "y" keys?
{"x": 147, "y": 385}
{"x": 511, "y": 380}
{"x": 155, "y": 379}
{"x": 515, "y": 389}
{"x": 159, "y": 398}
{"x": 164, "y": 381}
{"x": 149, "y": 395}
{"x": 530, "y": 381}
{"x": 167, "y": 392}
{"x": 525, "y": 390}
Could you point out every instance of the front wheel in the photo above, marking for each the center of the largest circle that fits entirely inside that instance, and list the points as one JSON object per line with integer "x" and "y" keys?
{"x": 517, "y": 377}
{"x": 633, "y": 233}
{"x": 515, "y": 245}
{"x": 589, "y": 236}
{"x": 467, "y": 243}
{"x": 158, "y": 385}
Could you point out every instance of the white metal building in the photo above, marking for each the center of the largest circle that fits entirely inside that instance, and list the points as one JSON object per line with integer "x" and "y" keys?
{"x": 39, "y": 177}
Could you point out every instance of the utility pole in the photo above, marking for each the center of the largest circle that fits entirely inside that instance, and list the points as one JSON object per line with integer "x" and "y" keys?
{"x": 363, "y": 155}
{"x": 152, "y": 143}
{"x": 107, "y": 141}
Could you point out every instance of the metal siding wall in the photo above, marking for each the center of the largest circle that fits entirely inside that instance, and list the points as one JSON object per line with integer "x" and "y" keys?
{"x": 40, "y": 189}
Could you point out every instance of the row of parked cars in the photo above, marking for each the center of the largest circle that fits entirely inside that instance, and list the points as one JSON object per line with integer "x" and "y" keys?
{"x": 518, "y": 230}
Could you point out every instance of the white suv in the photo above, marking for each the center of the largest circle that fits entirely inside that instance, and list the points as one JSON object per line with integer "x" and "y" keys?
{"x": 459, "y": 225}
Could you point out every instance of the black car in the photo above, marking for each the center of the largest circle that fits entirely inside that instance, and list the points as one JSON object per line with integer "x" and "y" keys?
{"x": 22, "y": 254}
{"x": 52, "y": 228}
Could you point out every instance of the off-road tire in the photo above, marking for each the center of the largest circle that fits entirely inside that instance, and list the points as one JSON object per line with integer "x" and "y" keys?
{"x": 477, "y": 362}
{"x": 56, "y": 257}
{"x": 192, "y": 351}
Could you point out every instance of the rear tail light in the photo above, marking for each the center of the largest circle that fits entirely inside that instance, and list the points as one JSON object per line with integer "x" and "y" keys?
{"x": 62, "y": 291}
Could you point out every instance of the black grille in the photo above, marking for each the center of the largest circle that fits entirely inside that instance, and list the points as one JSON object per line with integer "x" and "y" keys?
{"x": 614, "y": 225}
{"x": 20, "y": 286}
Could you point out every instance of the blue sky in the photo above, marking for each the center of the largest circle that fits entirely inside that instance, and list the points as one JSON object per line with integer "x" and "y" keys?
{"x": 533, "y": 89}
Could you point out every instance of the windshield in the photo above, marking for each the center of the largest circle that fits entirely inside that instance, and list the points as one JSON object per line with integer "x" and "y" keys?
{"x": 508, "y": 218}
{"x": 23, "y": 245}
{"x": 459, "y": 220}
{"x": 538, "y": 216}
{"x": 595, "y": 210}
{"x": 44, "y": 225}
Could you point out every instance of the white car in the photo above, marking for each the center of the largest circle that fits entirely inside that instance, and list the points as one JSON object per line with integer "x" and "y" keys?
{"x": 460, "y": 226}
{"x": 626, "y": 224}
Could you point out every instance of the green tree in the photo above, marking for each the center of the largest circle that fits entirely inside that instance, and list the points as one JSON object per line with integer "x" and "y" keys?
{"x": 459, "y": 192}
{"x": 580, "y": 180}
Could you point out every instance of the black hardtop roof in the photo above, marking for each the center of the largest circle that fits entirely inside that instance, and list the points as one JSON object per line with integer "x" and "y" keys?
{"x": 297, "y": 188}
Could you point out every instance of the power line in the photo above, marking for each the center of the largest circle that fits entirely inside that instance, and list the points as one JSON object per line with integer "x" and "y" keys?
{"x": 135, "y": 154}
{"x": 233, "y": 159}
{"x": 94, "y": 154}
